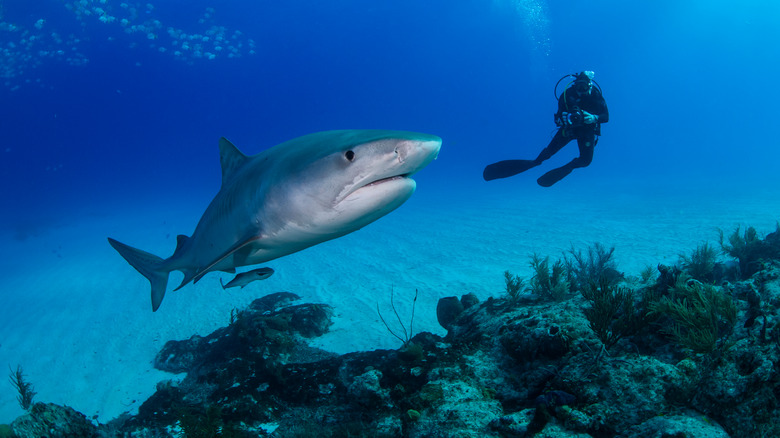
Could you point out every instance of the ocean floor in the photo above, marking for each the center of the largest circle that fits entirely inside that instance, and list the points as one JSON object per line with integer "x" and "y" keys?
{"x": 78, "y": 318}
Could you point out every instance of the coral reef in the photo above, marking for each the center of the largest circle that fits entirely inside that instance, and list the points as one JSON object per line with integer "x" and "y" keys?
{"x": 700, "y": 264}
{"x": 549, "y": 282}
{"x": 597, "y": 266}
{"x": 613, "y": 314}
{"x": 407, "y": 333}
{"x": 702, "y": 317}
{"x": 53, "y": 421}
{"x": 514, "y": 287}
{"x": 685, "y": 359}
{"x": 750, "y": 250}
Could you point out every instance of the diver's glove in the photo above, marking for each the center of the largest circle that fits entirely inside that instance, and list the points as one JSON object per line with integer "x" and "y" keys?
{"x": 588, "y": 118}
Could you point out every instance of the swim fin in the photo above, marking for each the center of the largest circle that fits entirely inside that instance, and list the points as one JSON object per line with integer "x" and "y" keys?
{"x": 507, "y": 168}
{"x": 553, "y": 176}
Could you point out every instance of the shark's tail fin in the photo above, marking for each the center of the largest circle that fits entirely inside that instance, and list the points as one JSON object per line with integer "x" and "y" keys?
{"x": 149, "y": 266}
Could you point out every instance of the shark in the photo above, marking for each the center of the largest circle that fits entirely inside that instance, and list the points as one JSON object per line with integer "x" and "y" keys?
{"x": 289, "y": 197}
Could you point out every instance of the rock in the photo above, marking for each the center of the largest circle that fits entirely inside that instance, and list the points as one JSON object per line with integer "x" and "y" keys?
{"x": 463, "y": 407}
{"x": 178, "y": 356}
{"x": 274, "y": 301}
{"x": 254, "y": 329}
{"x": 366, "y": 389}
{"x": 725, "y": 271}
{"x": 53, "y": 421}
{"x": 469, "y": 300}
{"x": 309, "y": 320}
{"x": 501, "y": 371}
{"x": 532, "y": 339}
{"x": 6, "y": 431}
{"x": 513, "y": 425}
{"x": 554, "y": 398}
{"x": 694, "y": 426}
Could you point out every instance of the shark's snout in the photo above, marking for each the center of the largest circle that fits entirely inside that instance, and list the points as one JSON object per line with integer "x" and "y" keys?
{"x": 432, "y": 147}
{"x": 386, "y": 177}
{"x": 419, "y": 153}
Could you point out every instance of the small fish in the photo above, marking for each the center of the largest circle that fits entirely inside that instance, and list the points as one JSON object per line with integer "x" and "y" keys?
{"x": 245, "y": 278}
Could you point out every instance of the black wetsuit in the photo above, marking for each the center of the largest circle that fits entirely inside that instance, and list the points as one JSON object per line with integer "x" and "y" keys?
{"x": 586, "y": 135}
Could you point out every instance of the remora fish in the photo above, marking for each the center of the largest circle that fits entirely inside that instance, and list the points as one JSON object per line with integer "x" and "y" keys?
{"x": 287, "y": 198}
{"x": 245, "y": 278}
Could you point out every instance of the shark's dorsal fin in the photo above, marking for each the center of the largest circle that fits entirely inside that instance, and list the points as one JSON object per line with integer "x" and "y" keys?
{"x": 230, "y": 158}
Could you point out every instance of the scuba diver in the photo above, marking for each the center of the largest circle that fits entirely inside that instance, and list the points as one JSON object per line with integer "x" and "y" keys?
{"x": 581, "y": 111}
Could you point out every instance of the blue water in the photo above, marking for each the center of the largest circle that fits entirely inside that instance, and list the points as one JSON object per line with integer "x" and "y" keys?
{"x": 99, "y": 114}
{"x": 691, "y": 88}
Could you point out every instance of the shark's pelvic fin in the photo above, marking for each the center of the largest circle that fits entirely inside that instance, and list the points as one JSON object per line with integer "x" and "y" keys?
{"x": 235, "y": 248}
{"x": 195, "y": 275}
{"x": 230, "y": 158}
{"x": 148, "y": 265}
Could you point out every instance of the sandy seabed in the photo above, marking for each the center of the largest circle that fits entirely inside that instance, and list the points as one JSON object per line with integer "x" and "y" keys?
{"x": 78, "y": 318}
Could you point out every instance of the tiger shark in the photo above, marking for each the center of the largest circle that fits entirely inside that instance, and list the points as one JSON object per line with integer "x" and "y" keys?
{"x": 294, "y": 195}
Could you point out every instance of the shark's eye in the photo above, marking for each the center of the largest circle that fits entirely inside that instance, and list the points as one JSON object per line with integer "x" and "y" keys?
{"x": 350, "y": 156}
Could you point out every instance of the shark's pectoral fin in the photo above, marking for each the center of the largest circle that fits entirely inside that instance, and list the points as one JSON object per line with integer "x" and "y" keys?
{"x": 196, "y": 275}
{"x": 189, "y": 274}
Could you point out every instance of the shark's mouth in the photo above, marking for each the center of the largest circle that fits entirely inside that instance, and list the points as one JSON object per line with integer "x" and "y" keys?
{"x": 388, "y": 185}
{"x": 384, "y": 180}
